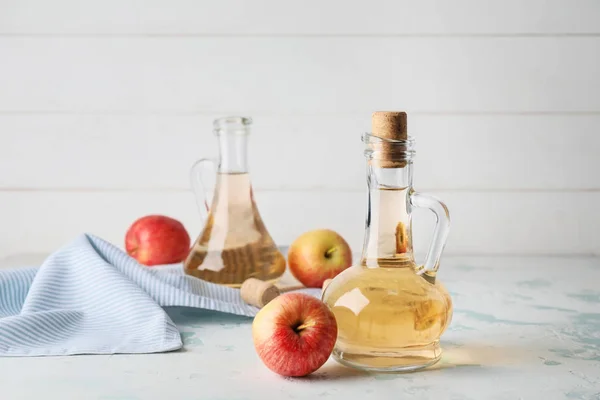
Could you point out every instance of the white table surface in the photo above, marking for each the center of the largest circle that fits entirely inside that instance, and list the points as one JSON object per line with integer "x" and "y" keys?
{"x": 523, "y": 328}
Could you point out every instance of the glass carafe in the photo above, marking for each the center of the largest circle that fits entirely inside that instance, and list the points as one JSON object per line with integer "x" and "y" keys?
{"x": 234, "y": 244}
{"x": 390, "y": 311}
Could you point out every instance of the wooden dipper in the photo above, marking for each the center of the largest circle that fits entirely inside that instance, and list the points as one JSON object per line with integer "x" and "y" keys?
{"x": 390, "y": 125}
{"x": 259, "y": 293}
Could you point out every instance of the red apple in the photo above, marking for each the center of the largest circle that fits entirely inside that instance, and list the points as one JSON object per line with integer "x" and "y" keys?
{"x": 318, "y": 255}
{"x": 157, "y": 239}
{"x": 294, "y": 334}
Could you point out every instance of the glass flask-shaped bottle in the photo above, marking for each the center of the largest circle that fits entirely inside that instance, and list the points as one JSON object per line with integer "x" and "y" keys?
{"x": 234, "y": 244}
{"x": 390, "y": 311}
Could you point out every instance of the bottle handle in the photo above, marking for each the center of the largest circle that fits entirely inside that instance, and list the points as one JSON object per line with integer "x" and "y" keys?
{"x": 203, "y": 188}
{"x": 440, "y": 233}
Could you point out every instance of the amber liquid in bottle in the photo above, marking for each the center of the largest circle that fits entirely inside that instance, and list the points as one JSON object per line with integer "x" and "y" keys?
{"x": 234, "y": 244}
{"x": 388, "y": 316}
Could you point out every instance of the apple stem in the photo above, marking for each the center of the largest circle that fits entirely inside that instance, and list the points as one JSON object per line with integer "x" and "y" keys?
{"x": 303, "y": 326}
{"x": 329, "y": 252}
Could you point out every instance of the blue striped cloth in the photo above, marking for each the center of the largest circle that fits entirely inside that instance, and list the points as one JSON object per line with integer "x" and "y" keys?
{"x": 90, "y": 297}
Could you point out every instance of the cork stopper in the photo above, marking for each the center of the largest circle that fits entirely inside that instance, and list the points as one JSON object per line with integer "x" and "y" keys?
{"x": 390, "y": 125}
{"x": 258, "y": 293}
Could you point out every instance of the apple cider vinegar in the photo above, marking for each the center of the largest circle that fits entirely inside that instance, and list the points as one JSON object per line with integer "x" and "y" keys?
{"x": 391, "y": 312}
{"x": 387, "y": 316}
{"x": 234, "y": 244}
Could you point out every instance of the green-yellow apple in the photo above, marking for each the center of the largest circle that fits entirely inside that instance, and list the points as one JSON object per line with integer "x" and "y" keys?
{"x": 157, "y": 239}
{"x": 318, "y": 255}
{"x": 294, "y": 334}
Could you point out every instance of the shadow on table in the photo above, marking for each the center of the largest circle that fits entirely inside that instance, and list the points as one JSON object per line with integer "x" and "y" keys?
{"x": 483, "y": 355}
{"x": 465, "y": 358}
{"x": 196, "y": 317}
{"x": 332, "y": 371}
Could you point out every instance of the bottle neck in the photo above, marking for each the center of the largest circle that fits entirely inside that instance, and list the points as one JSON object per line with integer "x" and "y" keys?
{"x": 233, "y": 133}
{"x": 388, "y": 223}
{"x": 233, "y": 152}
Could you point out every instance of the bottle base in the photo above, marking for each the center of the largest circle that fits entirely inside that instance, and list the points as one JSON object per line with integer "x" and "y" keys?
{"x": 405, "y": 360}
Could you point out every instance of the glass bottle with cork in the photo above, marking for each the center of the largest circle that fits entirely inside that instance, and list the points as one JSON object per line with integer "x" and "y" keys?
{"x": 391, "y": 311}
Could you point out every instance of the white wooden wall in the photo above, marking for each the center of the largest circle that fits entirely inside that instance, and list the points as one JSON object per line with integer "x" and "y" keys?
{"x": 104, "y": 105}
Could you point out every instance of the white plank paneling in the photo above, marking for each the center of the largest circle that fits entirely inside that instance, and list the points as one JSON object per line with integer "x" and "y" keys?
{"x": 482, "y": 223}
{"x": 291, "y": 153}
{"x": 300, "y": 75}
{"x": 105, "y": 105}
{"x": 272, "y": 17}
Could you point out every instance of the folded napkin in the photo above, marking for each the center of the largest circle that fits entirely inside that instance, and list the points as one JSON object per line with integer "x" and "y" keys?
{"x": 90, "y": 297}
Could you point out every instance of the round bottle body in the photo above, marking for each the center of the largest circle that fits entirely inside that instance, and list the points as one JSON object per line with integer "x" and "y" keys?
{"x": 389, "y": 319}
